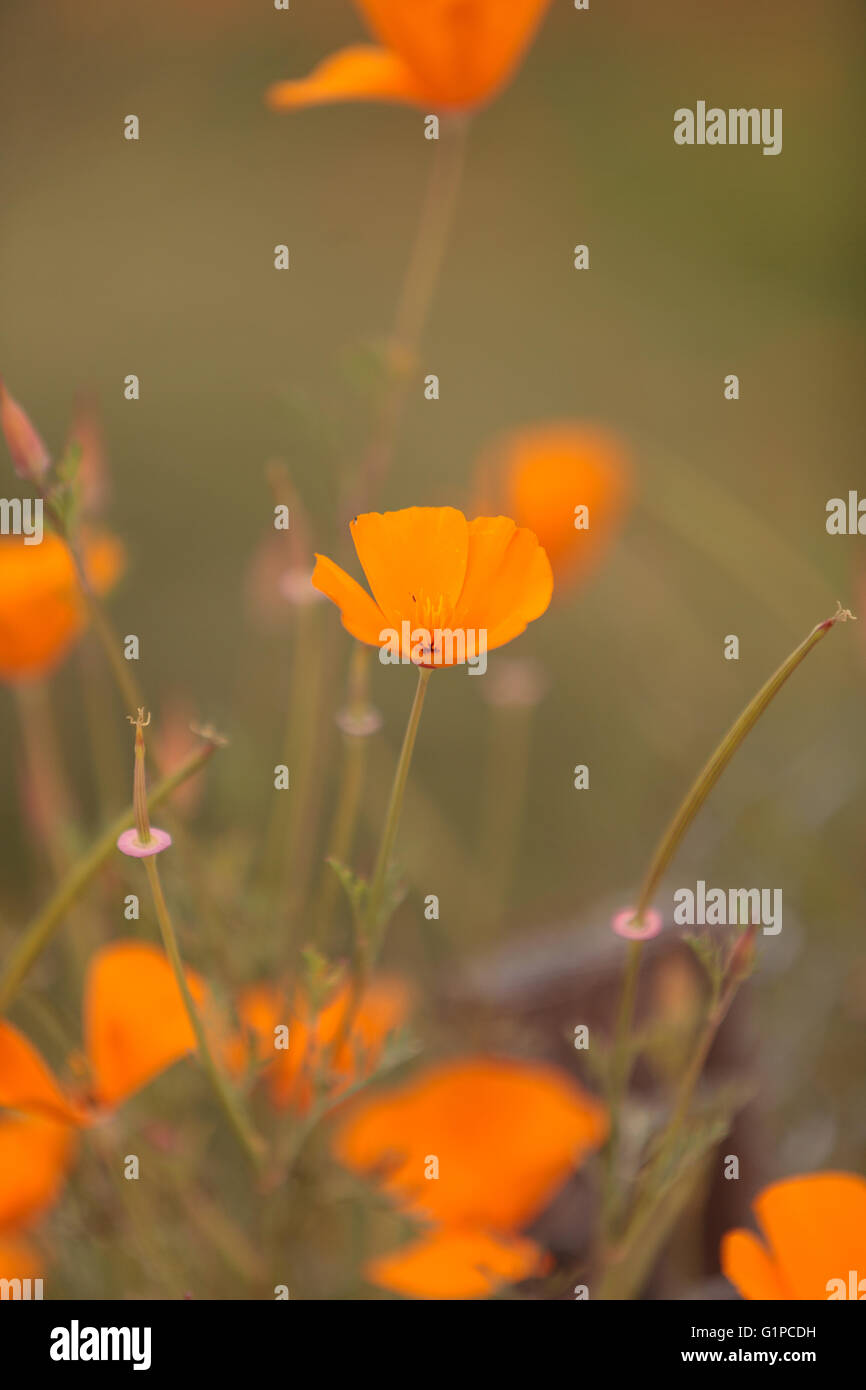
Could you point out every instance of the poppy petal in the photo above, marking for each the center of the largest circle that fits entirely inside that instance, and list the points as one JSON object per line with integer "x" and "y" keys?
{"x": 361, "y": 617}
{"x": 35, "y": 1155}
{"x": 19, "y": 1259}
{"x": 135, "y": 1022}
{"x": 506, "y": 1135}
{"x": 416, "y": 554}
{"x": 462, "y": 53}
{"x": 816, "y": 1229}
{"x": 459, "y": 1264}
{"x": 359, "y": 73}
{"x": 26, "y": 1081}
{"x": 509, "y": 581}
{"x": 747, "y": 1265}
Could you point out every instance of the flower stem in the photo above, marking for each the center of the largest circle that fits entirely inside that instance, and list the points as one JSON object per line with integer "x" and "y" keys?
{"x": 668, "y": 845}
{"x": 713, "y": 769}
{"x": 40, "y": 930}
{"x": 419, "y": 284}
{"x": 248, "y": 1139}
{"x": 374, "y": 929}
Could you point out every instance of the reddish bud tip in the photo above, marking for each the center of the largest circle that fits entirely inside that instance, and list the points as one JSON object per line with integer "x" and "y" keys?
{"x": 30, "y": 457}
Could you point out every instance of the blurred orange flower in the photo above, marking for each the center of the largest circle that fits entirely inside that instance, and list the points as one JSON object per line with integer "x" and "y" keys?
{"x": 477, "y": 1147}
{"x": 135, "y": 1027}
{"x": 457, "y": 1264}
{"x": 543, "y": 474}
{"x": 445, "y": 55}
{"x": 35, "y": 1155}
{"x": 293, "y": 1074}
{"x": 814, "y": 1230}
{"x": 41, "y": 608}
{"x": 431, "y": 569}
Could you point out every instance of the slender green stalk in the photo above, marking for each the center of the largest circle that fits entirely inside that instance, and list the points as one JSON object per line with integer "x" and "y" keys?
{"x": 246, "y": 1136}
{"x": 667, "y": 847}
{"x": 624, "y": 1272}
{"x": 713, "y": 769}
{"x": 419, "y": 284}
{"x": 373, "y": 927}
{"x": 358, "y": 721}
{"x": 40, "y": 931}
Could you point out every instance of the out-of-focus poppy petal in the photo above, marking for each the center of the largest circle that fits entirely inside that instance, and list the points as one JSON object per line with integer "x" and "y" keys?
{"x": 816, "y": 1228}
{"x": 413, "y": 557}
{"x": 359, "y": 613}
{"x": 26, "y": 1081}
{"x": 35, "y": 1154}
{"x": 135, "y": 1023}
{"x": 359, "y": 73}
{"x": 19, "y": 1259}
{"x": 542, "y": 473}
{"x": 462, "y": 51}
{"x": 750, "y": 1269}
{"x": 384, "y": 1005}
{"x": 506, "y": 1135}
{"x": 291, "y": 1072}
{"x": 460, "y": 1264}
{"x": 41, "y": 611}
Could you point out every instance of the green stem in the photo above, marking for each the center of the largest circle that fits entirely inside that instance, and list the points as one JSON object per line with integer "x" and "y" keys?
{"x": 39, "y": 932}
{"x": 357, "y": 724}
{"x": 668, "y": 845}
{"x": 249, "y": 1141}
{"x": 374, "y": 929}
{"x": 419, "y": 284}
{"x": 713, "y": 769}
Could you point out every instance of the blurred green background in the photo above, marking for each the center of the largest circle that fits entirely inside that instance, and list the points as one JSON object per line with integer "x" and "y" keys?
{"x": 156, "y": 258}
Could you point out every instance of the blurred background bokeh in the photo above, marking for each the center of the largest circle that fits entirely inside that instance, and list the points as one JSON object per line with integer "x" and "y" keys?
{"x": 156, "y": 258}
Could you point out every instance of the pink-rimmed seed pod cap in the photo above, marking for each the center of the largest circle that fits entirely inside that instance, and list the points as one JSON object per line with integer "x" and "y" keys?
{"x": 625, "y": 924}
{"x": 130, "y": 844}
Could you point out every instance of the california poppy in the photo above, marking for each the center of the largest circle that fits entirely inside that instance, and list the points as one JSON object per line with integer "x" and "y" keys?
{"x": 432, "y": 570}
{"x": 505, "y": 1135}
{"x": 292, "y": 1073}
{"x": 41, "y": 609}
{"x": 463, "y": 1264}
{"x": 442, "y": 55}
{"x": 568, "y": 482}
{"x": 135, "y": 1027}
{"x": 35, "y": 1155}
{"x": 814, "y": 1236}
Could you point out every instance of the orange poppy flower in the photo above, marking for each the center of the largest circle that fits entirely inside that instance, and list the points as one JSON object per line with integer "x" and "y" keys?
{"x": 35, "y": 1156}
{"x": 18, "y": 1259}
{"x": 431, "y": 570}
{"x": 543, "y": 474}
{"x": 442, "y": 55}
{"x": 457, "y": 1264}
{"x": 135, "y": 1027}
{"x": 292, "y": 1073}
{"x": 814, "y": 1230}
{"x": 135, "y": 1021}
{"x": 41, "y": 609}
{"x": 505, "y": 1135}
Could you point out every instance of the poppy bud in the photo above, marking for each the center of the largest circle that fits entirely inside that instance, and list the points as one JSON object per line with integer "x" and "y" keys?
{"x": 30, "y": 456}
